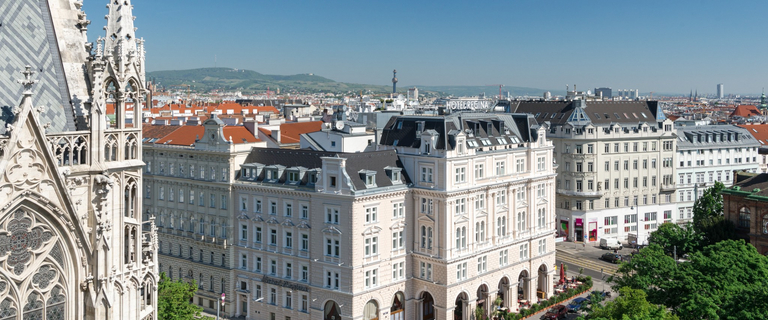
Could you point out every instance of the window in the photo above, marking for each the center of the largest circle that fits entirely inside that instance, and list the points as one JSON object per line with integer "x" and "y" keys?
{"x": 398, "y": 240}
{"x": 501, "y": 226}
{"x": 371, "y": 246}
{"x": 744, "y": 218}
{"x": 500, "y": 170}
{"x": 460, "y": 175}
{"x": 501, "y": 198}
{"x": 370, "y": 278}
{"x": 541, "y": 217}
{"x": 288, "y": 210}
{"x": 371, "y": 214}
{"x": 258, "y": 264}
{"x": 257, "y": 237}
{"x": 616, "y": 165}
{"x": 398, "y": 271}
{"x": 304, "y": 273}
{"x": 304, "y": 242}
{"x": 460, "y": 206}
{"x": 461, "y": 238}
{"x": 273, "y": 237}
{"x": 523, "y": 251}
{"x": 461, "y": 271}
{"x": 521, "y": 194}
{"x": 332, "y": 247}
{"x": 288, "y": 270}
{"x": 478, "y": 171}
{"x": 332, "y": 215}
{"x": 288, "y": 299}
{"x": 426, "y": 237}
{"x": 520, "y": 165}
{"x": 304, "y": 303}
{"x": 503, "y": 257}
{"x": 426, "y": 174}
{"x": 244, "y": 232}
{"x": 289, "y": 239}
{"x": 542, "y": 246}
{"x": 304, "y": 212}
{"x": 425, "y": 270}
{"x": 541, "y": 163}
{"x": 272, "y": 267}
{"x": 626, "y": 164}
{"x": 332, "y": 279}
{"x": 398, "y": 210}
{"x": 482, "y": 264}
{"x": 480, "y": 231}
{"x": 273, "y": 296}
{"x": 521, "y": 226}
{"x": 579, "y": 205}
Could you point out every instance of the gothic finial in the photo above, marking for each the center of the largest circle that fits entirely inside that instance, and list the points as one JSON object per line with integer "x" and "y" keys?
{"x": 27, "y": 82}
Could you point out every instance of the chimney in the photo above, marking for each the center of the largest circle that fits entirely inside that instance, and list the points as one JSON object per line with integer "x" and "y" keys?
{"x": 276, "y": 135}
{"x": 252, "y": 127}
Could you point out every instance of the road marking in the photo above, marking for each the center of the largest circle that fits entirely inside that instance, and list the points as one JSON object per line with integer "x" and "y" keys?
{"x": 594, "y": 265}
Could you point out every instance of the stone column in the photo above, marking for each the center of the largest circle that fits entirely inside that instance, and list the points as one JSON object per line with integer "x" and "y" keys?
{"x": 531, "y": 288}
{"x": 512, "y": 300}
{"x": 419, "y": 312}
{"x": 505, "y": 289}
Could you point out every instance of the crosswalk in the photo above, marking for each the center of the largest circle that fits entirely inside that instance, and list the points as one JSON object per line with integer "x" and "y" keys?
{"x": 587, "y": 263}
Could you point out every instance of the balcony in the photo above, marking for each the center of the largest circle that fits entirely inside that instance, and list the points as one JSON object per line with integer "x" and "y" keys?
{"x": 580, "y": 174}
{"x": 579, "y": 156}
{"x": 580, "y": 193}
{"x": 668, "y": 187}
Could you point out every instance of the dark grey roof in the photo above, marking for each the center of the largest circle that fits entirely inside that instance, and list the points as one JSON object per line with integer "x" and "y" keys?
{"x": 481, "y": 129}
{"x": 597, "y": 112}
{"x": 713, "y": 136}
{"x": 375, "y": 161}
{"x": 27, "y": 37}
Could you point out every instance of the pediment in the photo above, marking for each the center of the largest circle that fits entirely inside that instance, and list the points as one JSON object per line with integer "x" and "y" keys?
{"x": 273, "y": 220}
{"x": 522, "y": 204}
{"x": 461, "y": 219}
{"x": 542, "y": 201}
{"x": 243, "y": 216}
{"x": 304, "y": 225}
{"x": 287, "y": 223}
{"x": 332, "y": 230}
{"x": 397, "y": 225}
{"x": 426, "y": 218}
{"x": 257, "y": 218}
{"x": 371, "y": 230}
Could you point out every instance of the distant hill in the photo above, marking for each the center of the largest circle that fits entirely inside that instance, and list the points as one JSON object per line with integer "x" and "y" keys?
{"x": 248, "y": 81}
{"x": 489, "y": 91}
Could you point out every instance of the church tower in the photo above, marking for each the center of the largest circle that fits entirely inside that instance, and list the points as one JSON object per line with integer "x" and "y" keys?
{"x": 71, "y": 167}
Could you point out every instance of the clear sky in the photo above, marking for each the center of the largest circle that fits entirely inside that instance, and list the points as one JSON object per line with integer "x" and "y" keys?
{"x": 661, "y": 46}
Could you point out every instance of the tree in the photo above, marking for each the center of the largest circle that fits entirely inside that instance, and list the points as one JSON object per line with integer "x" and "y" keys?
{"x": 630, "y": 305}
{"x": 726, "y": 280}
{"x": 708, "y": 220}
{"x": 673, "y": 237}
{"x": 173, "y": 299}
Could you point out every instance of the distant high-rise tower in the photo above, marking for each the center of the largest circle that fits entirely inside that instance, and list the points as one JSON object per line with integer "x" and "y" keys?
{"x": 394, "y": 81}
{"x": 720, "y": 91}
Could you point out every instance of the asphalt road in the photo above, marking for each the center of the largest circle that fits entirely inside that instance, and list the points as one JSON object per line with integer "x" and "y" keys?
{"x": 576, "y": 255}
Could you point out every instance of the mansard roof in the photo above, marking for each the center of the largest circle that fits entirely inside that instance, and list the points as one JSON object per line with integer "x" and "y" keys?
{"x": 374, "y": 161}
{"x": 481, "y": 129}
{"x": 595, "y": 112}
{"x": 714, "y": 136}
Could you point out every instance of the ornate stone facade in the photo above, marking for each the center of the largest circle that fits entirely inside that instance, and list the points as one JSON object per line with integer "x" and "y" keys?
{"x": 72, "y": 242}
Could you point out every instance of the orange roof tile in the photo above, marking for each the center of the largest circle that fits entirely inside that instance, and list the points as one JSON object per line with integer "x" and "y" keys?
{"x": 759, "y": 131}
{"x": 156, "y": 131}
{"x": 183, "y": 136}
{"x": 239, "y": 135}
{"x": 746, "y": 111}
{"x": 290, "y": 132}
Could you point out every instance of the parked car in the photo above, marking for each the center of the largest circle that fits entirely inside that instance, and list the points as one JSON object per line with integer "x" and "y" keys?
{"x": 611, "y": 244}
{"x": 556, "y": 312}
{"x": 611, "y": 257}
{"x": 577, "y": 304}
{"x": 599, "y": 293}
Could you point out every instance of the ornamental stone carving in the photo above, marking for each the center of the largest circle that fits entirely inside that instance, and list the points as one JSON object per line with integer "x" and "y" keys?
{"x": 20, "y": 241}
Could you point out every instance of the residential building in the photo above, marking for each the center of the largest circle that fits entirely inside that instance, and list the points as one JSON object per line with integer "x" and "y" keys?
{"x": 73, "y": 243}
{"x": 188, "y": 186}
{"x": 278, "y": 134}
{"x": 746, "y": 205}
{"x": 331, "y": 235}
{"x": 760, "y": 133}
{"x": 616, "y": 161}
{"x": 493, "y": 176}
{"x": 709, "y": 154}
{"x": 340, "y": 136}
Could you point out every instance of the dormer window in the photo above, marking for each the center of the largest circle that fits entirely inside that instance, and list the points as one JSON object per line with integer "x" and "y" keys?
{"x": 293, "y": 176}
{"x": 369, "y": 177}
{"x": 272, "y": 174}
{"x": 426, "y": 148}
{"x": 312, "y": 178}
{"x": 394, "y": 174}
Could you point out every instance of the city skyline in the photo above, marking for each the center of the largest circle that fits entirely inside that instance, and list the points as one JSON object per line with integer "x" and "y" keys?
{"x": 656, "y": 46}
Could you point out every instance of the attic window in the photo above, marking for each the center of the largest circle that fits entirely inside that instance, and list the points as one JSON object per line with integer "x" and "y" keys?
{"x": 501, "y": 140}
{"x": 643, "y": 114}
{"x": 616, "y": 115}
{"x": 399, "y": 125}
{"x": 472, "y": 143}
{"x": 607, "y": 116}
{"x": 626, "y": 116}
{"x": 394, "y": 174}
{"x": 553, "y": 115}
{"x": 485, "y": 142}
{"x": 635, "y": 115}
{"x": 369, "y": 177}
{"x": 293, "y": 176}
{"x": 537, "y": 115}
{"x": 597, "y": 115}
{"x": 545, "y": 115}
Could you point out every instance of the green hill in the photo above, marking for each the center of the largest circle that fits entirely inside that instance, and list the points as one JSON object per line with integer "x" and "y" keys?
{"x": 247, "y": 81}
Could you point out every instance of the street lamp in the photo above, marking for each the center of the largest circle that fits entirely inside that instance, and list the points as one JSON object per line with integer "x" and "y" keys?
{"x": 637, "y": 221}
{"x": 218, "y": 306}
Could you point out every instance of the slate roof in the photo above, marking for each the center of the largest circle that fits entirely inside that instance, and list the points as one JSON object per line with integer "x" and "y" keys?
{"x": 27, "y": 37}
{"x": 373, "y": 161}
{"x": 710, "y": 136}
{"x": 480, "y": 129}
{"x": 597, "y": 112}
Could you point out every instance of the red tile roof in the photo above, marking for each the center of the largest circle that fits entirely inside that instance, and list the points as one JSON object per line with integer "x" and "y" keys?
{"x": 759, "y": 131}
{"x": 239, "y": 135}
{"x": 183, "y": 136}
{"x": 745, "y": 111}
{"x": 290, "y": 132}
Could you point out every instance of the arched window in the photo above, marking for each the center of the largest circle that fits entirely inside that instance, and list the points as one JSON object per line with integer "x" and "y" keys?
{"x": 331, "y": 311}
{"x": 744, "y": 218}
{"x": 765, "y": 224}
{"x": 423, "y": 236}
{"x": 396, "y": 311}
{"x": 371, "y": 310}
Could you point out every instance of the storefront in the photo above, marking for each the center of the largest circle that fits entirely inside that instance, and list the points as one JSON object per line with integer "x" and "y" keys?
{"x": 565, "y": 226}
{"x": 578, "y": 229}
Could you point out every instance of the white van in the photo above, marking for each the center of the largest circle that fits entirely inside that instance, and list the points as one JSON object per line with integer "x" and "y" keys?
{"x": 610, "y": 243}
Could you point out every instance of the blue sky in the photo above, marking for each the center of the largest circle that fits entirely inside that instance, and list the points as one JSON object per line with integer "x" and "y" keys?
{"x": 661, "y": 46}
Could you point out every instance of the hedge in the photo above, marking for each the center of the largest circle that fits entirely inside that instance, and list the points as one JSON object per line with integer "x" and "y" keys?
{"x": 586, "y": 284}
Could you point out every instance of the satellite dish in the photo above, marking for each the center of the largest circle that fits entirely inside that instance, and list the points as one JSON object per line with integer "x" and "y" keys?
{"x": 339, "y": 125}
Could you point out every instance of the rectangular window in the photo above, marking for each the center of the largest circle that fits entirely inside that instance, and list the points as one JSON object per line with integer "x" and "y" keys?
{"x": 371, "y": 246}
{"x": 258, "y": 235}
{"x": 398, "y": 210}
{"x": 482, "y": 264}
{"x": 478, "y": 171}
{"x": 332, "y": 215}
{"x": 244, "y": 232}
{"x": 304, "y": 242}
{"x": 371, "y": 214}
{"x": 500, "y": 170}
{"x": 304, "y": 212}
{"x": 504, "y": 257}
{"x": 460, "y": 175}
{"x": 370, "y": 278}
{"x": 523, "y": 252}
{"x": 288, "y": 239}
